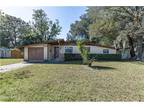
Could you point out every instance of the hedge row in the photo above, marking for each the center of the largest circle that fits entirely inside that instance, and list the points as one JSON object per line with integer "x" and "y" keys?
{"x": 112, "y": 57}
{"x": 68, "y": 57}
{"x": 105, "y": 56}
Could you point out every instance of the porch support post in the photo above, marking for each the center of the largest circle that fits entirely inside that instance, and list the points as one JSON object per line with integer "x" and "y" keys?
{"x": 45, "y": 52}
{"x": 25, "y": 53}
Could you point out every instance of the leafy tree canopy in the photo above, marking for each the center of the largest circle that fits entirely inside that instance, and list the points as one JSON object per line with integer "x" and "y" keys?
{"x": 15, "y": 31}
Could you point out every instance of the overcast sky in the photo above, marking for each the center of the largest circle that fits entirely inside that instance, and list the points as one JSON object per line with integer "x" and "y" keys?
{"x": 66, "y": 15}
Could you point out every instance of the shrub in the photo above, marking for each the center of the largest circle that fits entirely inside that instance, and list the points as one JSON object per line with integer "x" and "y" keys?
{"x": 69, "y": 57}
{"x": 83, "y": 52}
{"x": 16, "y": 53}
{"x": 112, "y": 57}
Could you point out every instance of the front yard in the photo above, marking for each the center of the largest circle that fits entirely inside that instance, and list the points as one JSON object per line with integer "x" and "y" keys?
{"x": 105, "y": 81}
{"x": 9, "y": 61}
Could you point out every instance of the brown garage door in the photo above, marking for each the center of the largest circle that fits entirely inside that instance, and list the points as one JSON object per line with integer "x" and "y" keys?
{"x": 36, "y": 54}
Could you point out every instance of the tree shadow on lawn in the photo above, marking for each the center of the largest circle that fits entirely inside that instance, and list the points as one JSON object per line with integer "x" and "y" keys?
{"x": 102, "y": 67}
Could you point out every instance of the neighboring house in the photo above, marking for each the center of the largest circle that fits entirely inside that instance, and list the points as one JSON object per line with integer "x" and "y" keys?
{"x": 5, "y": 52}
{"x": 55, "y": 50}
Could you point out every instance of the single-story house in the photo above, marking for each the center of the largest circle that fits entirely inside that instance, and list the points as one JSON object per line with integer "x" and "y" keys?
{"x": 5, "y": 52}
{"x": 55, "y": 50}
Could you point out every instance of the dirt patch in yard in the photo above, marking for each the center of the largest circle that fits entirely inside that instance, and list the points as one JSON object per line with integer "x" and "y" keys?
{"x": 23, "y": 74}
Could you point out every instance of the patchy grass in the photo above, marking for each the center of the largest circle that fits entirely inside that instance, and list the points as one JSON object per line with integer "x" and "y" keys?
{"x": 105, "y": 81}
{"x": 6, "y": 61}
{"x": 139, "y": 62}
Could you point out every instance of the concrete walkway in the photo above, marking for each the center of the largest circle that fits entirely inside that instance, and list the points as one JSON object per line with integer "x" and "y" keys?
{"x": 11, "y": 67}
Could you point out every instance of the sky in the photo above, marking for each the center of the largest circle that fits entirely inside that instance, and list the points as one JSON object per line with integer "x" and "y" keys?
{"x": 66, "y": 15}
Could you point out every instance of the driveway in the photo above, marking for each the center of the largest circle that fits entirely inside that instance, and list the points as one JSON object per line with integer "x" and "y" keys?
{"x": 11, "y": 67}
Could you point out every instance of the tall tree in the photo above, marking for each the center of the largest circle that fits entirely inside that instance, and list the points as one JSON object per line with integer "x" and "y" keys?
{"x": 3, "y": 35}
{"x": 54, "y": 30}
{"x": 106, "y": 24}
{"x": 103, "y": 28}
{"x": 69, "y": 37}
{"x": 28, "y": 36}
{"x": 44, "y": 28}
{"x": 14, "y": 31}
{"x": 10, "y": 30}
{"x": 95, "y": 25}
{"x": 40, "y": 24}
{"x": 79, "y": 29}
{"x": 131, "y": 21}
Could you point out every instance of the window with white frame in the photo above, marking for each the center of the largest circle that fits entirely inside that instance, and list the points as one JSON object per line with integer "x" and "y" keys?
{"x": 105, "y": 51}
{"x": 68, "y": 49}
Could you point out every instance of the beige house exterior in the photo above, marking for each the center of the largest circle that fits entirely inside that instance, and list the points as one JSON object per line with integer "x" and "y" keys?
{"x": 54, "y": 51}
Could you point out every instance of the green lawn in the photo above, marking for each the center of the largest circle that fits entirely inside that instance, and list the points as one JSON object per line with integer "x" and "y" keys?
{"x": 105, "y": 81}
{"x": 6, "y": 61}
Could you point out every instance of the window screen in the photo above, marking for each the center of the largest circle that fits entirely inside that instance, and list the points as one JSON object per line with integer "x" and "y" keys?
{"x": 68, "y": 49}
{"x": 105, "y": 51}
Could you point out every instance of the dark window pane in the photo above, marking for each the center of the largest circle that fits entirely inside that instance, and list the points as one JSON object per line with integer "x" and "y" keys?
{"x": 68, "y": 49}
{"x": 105, "y": 51}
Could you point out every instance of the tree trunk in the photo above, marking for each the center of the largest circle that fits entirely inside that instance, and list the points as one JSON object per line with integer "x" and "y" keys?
{"x": 139, "y": 48}
{"x": 15, "y": 42}
{"x": 12, "y": 41}
{"x": 14, "y": 37}
{"x": 131, "y": 44}
{"x": 142, "y": 56}
{"x": 142, "y": 52}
